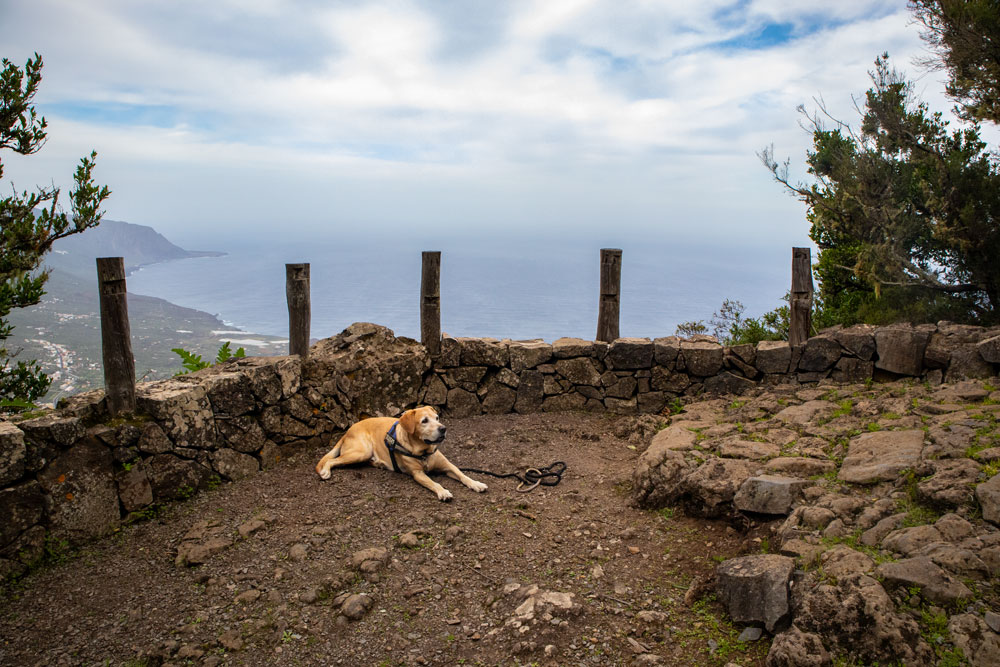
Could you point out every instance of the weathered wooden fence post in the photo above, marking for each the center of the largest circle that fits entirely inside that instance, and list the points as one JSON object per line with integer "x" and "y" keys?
{"x": 800, "y": 306}
{"x": 611, "y": 282}
{"x": 116, "y": 337}
{"x": 430, "y": 301}
{"x": 299, "y": 309}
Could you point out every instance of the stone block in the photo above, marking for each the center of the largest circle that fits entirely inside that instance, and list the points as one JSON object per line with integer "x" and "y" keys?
{"x": 666, "y": 349}
{"x": 462, "y": 403}
{"x": 530, "y": 392}
{"x": 182, "y": 409}
{"x": 566, "y": 348}
{"x": 727, "y": 383}
{"x": 84, "y": 496}
{"x": 499, "y": 399}
{"x": 755, "y": 589}
{"x": 233, "y": 465}
{"x": 773, "y": 356}
{"x": 820, "y": 353}
{"x": 966, "y": 363}
{"x": 484, "y": 352}
{"x": 702, "y": 358}
{"x": 630, "y": 353}
{"x": 859, "y": 340}
{"x": 173, "y": 478}
{"x": 13, "y": 453}
{"x": 901, "y": 350}
{"x": 769, "y": 494}
{"x": 651, "y": 402}
{"x": 989, "y": 349}
{"x": 579, "y": 370}
{"x": 21, "y": 507}
{"x": 134, "y": 489}
{"x": 526, "y": 355}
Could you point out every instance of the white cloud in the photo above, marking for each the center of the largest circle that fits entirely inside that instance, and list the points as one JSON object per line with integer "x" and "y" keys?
{"x": 394, "y": 109}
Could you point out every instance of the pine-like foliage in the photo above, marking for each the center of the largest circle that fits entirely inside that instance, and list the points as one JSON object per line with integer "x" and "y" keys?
{"x": 30, "y": 222}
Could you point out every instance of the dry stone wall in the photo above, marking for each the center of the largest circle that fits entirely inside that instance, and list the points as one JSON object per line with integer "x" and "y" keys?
{"x": 74, "y": 474}
{"x": 638, "y": 375}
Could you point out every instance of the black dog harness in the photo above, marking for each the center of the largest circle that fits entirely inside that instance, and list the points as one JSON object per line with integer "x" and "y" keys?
{"x": 391, "y": 443}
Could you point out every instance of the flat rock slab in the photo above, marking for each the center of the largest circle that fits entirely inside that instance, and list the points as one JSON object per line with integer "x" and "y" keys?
{"x": 755, "y": 588}
{"x": 935, "y": 584}
{"x": 881, "y": 456}
{"x": 805, "y": 413}
{"x": 674, "y": 437}
{"x": 736, "y": 448}
{"x": 768, "y": 494}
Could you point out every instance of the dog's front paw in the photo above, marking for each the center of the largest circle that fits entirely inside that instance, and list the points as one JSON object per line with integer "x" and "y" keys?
{"x": 444, "y": 495}
{"x": 478, "y": 487}
{"x": 324, "y": 474}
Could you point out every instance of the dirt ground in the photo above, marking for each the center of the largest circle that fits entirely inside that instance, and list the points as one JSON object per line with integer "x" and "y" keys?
{"x": 453, "y": 586}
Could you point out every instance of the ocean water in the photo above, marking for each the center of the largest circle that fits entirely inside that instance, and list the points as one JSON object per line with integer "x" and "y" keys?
{"x": 543, "y": 290}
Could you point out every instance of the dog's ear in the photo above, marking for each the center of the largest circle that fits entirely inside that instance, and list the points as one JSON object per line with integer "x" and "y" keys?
{"x": 409, "y": 421}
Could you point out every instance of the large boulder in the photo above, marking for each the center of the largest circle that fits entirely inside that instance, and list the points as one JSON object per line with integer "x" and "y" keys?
{"x": 755, "y": 589}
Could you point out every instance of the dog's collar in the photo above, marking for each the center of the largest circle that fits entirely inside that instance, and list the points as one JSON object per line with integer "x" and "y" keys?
{"x": 391, "y": 444}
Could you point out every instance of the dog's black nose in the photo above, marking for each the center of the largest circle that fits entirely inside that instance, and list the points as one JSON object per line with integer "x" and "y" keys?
{"x": 444, "y": 429}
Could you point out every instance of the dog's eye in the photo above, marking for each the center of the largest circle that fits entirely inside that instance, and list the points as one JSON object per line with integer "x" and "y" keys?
{"x": 424, "y": 420}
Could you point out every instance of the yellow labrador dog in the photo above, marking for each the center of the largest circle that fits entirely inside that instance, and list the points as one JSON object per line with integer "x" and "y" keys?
{"x": 408, "y": 445}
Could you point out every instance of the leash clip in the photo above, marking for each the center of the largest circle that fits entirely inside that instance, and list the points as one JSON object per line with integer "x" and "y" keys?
{"x": 530, "y": 473}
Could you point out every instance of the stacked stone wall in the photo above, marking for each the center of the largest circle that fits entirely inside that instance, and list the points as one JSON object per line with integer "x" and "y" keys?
{"x": 75, "y": 474}
{"x": 473, "y": 376}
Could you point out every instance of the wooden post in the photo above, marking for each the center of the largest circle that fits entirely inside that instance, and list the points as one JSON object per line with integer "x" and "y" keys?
{"x": 800, "y": 306}
{"x": 116, "y": 338}
{"x": 611, "y": 281}
{"x": 430, "y": 301}
{"x": 299, "y": 309}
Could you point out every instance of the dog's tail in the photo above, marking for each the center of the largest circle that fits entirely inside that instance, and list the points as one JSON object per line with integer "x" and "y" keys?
{"x": 332, "y": 454}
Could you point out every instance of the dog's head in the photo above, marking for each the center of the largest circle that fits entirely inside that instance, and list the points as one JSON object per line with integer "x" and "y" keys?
{"x": 422, "y": 425}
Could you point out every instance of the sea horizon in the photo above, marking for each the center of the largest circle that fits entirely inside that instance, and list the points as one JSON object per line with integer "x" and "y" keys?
{"x": 499, "y": 289}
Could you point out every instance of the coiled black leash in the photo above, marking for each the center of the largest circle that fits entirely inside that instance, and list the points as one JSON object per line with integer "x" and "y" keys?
{"x": 533, "y": 477}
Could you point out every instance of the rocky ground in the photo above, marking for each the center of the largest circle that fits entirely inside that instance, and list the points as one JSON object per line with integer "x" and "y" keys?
{"x": 883, "y": 500}
{"x": 371, "y": 569}
{"x": 870, "y": 510}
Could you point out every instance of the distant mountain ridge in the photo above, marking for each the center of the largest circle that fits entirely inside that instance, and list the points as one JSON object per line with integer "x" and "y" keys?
{"x": 138, "y": 244}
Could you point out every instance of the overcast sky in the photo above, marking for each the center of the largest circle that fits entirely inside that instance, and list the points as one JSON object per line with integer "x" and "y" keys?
{"x": 494, "y": 118}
